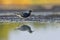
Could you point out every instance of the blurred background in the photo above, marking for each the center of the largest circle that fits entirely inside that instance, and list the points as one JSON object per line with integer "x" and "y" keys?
{"x": 28, "y": 4}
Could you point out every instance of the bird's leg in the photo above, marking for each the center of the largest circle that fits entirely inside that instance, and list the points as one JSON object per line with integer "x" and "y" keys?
{"x": 23, "y": 21}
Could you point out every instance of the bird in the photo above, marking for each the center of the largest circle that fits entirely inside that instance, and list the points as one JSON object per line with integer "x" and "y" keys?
{"x": 24, "y": 15}
{"x": 25, "y": 28}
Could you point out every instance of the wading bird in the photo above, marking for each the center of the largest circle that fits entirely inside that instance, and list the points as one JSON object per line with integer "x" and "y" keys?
{"x": 24, "y": 15}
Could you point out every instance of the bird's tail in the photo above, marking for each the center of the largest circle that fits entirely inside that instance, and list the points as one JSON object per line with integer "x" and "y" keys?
{"x": 19, "y": 14}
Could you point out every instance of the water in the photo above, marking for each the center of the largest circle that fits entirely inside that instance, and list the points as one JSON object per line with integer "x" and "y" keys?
{"x": 51, "y": 32}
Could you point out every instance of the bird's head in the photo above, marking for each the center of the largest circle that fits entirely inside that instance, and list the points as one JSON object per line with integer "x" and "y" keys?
{"x": 30, "y": 10}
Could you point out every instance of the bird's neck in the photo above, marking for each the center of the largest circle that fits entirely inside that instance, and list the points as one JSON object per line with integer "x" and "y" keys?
{"x": 29, "y": 12}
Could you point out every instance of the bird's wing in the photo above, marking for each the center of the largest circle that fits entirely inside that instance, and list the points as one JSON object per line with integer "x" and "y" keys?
{"x": 19, "y": 14}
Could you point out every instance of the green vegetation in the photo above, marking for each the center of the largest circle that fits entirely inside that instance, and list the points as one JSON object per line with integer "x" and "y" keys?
{"x": 5, "y": 27}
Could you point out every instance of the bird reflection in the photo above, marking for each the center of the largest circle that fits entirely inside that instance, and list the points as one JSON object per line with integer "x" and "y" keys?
{"x": 25, "y": 28}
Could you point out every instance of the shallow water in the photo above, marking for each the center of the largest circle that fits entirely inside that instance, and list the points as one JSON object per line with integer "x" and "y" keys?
{"x": 42, "y": 31}
{"x": 45, "y": 31}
